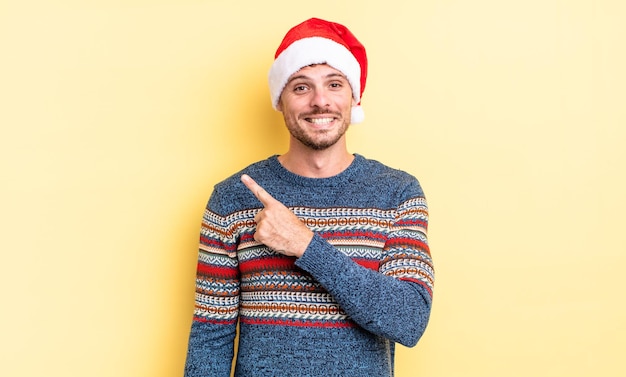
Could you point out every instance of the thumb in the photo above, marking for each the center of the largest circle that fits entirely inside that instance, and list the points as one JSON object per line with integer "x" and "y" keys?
{"x": 264, "y": 197}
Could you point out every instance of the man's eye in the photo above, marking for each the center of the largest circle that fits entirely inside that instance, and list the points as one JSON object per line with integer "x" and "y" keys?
{"x": 299, "y": 88}
{"x": 335, "y": 85}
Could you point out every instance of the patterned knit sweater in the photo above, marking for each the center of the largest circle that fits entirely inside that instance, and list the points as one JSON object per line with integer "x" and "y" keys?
{"x": 364, "y": 282}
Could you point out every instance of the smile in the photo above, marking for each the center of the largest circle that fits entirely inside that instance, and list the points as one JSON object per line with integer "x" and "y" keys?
{"x": 320, "y": 120}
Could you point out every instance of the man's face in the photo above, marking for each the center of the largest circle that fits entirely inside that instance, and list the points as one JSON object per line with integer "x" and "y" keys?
{"x": 316, "y": 104}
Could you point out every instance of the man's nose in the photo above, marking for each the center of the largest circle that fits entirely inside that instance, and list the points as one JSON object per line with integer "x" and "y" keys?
{"x": 320, "y": 98}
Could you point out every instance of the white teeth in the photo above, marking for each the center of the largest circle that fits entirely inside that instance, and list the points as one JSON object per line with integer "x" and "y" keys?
{"x": 321, "y": 120}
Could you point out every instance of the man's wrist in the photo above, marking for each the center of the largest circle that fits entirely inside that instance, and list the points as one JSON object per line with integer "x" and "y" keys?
{"x": 304, "y": 245}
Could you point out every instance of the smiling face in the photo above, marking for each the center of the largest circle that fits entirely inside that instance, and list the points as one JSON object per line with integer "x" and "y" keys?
{"x": 316, "y": 104}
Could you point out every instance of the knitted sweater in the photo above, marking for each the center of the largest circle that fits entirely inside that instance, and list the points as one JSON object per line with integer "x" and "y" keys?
{"x": 364, "y": 282}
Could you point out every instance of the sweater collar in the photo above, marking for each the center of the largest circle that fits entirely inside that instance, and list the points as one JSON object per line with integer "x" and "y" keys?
{"x": 349, "y": 174}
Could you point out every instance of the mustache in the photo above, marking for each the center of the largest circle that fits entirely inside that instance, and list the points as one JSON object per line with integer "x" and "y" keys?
{"x": 335, "y": 114}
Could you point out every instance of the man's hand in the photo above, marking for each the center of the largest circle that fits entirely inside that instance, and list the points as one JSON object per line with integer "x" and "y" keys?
{"x": 277, "y": 227}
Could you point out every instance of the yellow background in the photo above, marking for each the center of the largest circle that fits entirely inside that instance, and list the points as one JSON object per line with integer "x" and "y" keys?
{"x": 117, "y": 118}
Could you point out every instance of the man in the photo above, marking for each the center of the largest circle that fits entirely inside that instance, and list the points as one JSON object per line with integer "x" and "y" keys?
{"x": 320, "y": 255}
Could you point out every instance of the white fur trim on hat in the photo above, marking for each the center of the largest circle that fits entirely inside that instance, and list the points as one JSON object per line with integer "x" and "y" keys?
{"x": 315, "y": 50}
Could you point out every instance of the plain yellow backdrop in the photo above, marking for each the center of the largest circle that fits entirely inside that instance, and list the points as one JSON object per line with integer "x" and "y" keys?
{"x": 118, "y": 117}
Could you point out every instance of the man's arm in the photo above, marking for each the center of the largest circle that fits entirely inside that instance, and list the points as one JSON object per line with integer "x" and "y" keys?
{"x": 211, "y": 340}
{"x": 394, "y": 301}
{"x": 395, "y": 307}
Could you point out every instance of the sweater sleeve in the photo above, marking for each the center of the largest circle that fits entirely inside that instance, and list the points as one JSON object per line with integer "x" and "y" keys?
{"x": 395, "y": 301}
{"x": 211, "y": 340}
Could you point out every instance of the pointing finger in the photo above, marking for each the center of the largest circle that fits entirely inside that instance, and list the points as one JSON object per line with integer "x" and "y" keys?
{"x": 264, "y": 197}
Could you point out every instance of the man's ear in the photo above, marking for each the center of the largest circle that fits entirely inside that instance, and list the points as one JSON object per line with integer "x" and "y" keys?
{"x": 279, "y": 106}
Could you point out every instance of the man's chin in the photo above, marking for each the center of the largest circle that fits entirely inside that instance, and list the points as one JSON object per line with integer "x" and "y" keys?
{"x": 319, "y": 145}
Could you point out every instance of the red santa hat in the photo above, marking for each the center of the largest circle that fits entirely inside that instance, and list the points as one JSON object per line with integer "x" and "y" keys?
{"x": 317, "y": 41}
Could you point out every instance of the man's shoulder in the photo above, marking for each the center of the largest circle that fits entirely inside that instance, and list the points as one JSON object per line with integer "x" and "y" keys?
{"x": 254, "y": 169}
{"x": 378, "y": 169}
{"x": 231, "y": 195}
{"x": 388, "y": 179}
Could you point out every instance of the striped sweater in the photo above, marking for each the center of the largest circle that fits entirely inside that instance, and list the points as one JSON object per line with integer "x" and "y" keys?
{"x": 364, "y": 282}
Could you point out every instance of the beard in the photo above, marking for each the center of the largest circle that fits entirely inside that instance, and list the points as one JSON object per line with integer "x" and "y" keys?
{"x": 318, "y": 140}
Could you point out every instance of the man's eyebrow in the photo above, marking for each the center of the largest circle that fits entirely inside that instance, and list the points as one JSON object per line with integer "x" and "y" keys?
{"x": 336, "y": 74}
{"x": 298, "y": 77}
{"x": 305, "y": 77}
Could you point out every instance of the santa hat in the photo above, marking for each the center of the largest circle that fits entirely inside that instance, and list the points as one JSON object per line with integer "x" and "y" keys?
{"x": 317, "y": 41}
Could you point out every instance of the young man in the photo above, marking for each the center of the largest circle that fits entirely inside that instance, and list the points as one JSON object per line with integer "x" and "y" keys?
{"x": 320, "y": 255}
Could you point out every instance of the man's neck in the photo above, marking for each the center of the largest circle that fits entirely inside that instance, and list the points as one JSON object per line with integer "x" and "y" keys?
{"x": 316, "y": 164}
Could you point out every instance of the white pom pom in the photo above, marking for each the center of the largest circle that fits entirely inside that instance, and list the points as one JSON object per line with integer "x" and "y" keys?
{"x": 358, "y": 115}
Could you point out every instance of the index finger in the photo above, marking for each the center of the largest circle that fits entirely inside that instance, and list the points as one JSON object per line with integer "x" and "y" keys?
{"x": 264, "y": 197}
